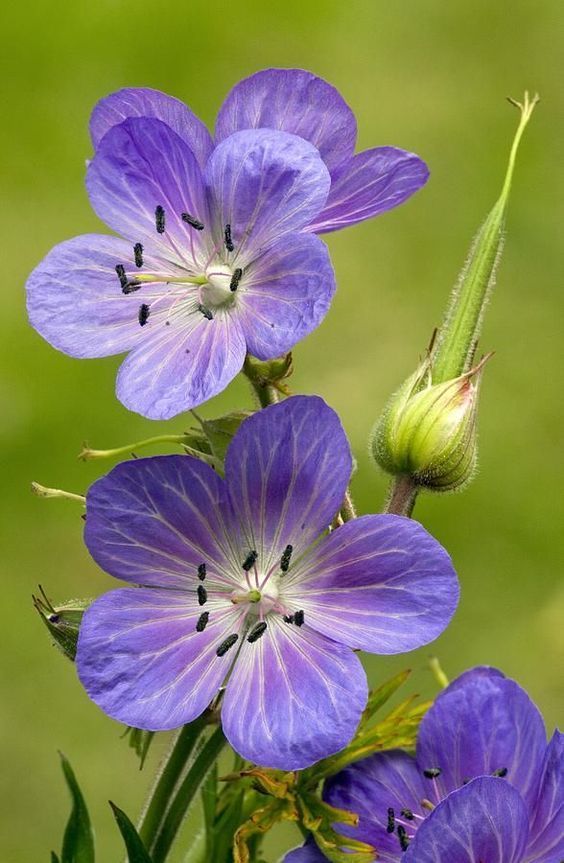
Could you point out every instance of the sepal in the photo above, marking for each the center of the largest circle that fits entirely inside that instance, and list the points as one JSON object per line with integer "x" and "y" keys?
{"x": 62, "y": 621}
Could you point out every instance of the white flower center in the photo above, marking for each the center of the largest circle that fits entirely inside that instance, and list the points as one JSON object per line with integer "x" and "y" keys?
{"x": 217, "y": 289}
{"x": 258, "y": 601}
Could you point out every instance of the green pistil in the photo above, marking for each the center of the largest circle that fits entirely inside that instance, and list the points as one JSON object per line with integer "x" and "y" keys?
{"x": 251, "y": 596}
{"x": 188, "y": 280}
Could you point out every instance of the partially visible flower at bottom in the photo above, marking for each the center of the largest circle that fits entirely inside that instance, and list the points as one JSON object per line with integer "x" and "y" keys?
{"x": 238, "y": 585}
{"x": 484, "y": 786}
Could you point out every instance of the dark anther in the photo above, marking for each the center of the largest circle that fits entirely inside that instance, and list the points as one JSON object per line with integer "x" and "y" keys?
{"x": 54, "y": 618}
{"x": 235, "y": 279}
{"x": 202, "y": 594}
{"x": 299, "y": 618}
{"x": 250, "y": 560}
{"x": 190, "y": 220}
{"x": 202, "y": 621}
{"x": 120, "y": 270}
{"x": 202, "y": 571}
{"x": 138, "y": 252}
{"x": 407, "y": 814}
{"x": 144, "y": 312}
{"x": 256, "y": 632}
{"x": 205, "y": 311}
{"x": 501, "y": 772}
{"x": 432, "y": 773}
{"x": 225, "y": 645}
{"x": 403, "y": 837}
{"x": 228, "y": 239}
{"x": 160, "y": 219}
{"x": 391, "y": 821}
{"x": 286, "y": 555}
{"x": 131, "y": 287}
{"x": 288, "y": 618}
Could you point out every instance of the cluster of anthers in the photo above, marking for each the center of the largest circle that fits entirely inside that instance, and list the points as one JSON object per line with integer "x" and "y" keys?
{"x": 407, "y": 822}
{"x": 262, "y": 598}
{"x": 215, "y": 285}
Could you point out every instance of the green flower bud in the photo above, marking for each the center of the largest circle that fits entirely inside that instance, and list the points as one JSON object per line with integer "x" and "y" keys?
{"x": 428, "y": 431}
{"x": 62, "y": 621}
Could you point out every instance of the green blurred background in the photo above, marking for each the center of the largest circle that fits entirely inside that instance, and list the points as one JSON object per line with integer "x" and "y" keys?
{"x": 427, "y": 76}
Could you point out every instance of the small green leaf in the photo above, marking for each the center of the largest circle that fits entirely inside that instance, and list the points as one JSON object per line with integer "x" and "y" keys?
{"x": 136, "y": 851}
{"x": 220, "y": 432}
{"x": 379, "y": 697}
{"x": 78, "y": 841}
{"x": 54, "y": 858}
{"x": 209, "y": 807}
{"x": 139, "y": 741}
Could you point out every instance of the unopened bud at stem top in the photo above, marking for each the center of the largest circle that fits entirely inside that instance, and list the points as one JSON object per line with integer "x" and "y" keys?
{"x": 428, "y": 431}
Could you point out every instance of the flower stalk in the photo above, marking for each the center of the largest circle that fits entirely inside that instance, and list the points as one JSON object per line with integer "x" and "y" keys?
{"x": 88, "y": 454}
{"x": 426, "y": 436}
{"x": 43, "y": 491}
{"x": 456, "y": 340}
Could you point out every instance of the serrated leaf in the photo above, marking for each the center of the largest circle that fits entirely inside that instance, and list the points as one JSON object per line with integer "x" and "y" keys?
{"x": 220, "y": 432}
{"x": 78, "y": 841}
{"x": 136, "y": 851}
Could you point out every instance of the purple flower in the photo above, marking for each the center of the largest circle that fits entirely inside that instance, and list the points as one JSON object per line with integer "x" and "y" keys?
{"x": 239, "y": 582}
{"x": 219, "y": 256}
{"x": 484, "y": 786}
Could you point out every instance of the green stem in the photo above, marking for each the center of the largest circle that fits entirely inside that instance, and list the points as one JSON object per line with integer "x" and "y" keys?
{"x": 187, "y": 789}
{"x": 87, "y": 454}
{"x": 402, "y": 496}
{"x": 43, "y": 491}
{"x": 438, "y": 672}
{"x": 167, "y": 779}
{"x": 348, "y": 510}
{"x": 266, "y": 393}
{"x": 455, "y": 345}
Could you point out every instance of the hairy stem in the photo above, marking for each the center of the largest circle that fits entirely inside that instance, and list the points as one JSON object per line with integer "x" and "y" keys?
{"x": 402, "y": 496}
{"x": 167, "y": 778}
{"x": 348, "y": 510}
{"x": 87, "y": 454}
{"x": 183, "y": 797}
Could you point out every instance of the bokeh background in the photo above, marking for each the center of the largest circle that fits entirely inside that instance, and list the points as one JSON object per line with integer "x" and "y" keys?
{"x": 429, "y": 76}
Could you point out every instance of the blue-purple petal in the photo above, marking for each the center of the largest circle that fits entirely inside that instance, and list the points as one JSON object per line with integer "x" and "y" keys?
{"x": 75, "y": 301}
{"x": 142, "y": 660}
{"x": 140, "y": 165}
{"x": 296, "y": 101}
{"x": 369, "y": 184}
{"x": 546, "y": 840}
{"x": 379, "y": 583}
{"x": 373, "y": 786}
{"x": 484, "y": 822}
{"x": 145, "y": 102}
{"x": 483, "y": 723}
{"x": 287, "y": 470}
{"x": 265, "y": 185}
{"x": 285, "y": 294}
{"x": 293, "y": 697}
{"x": 180, "y": 366}
{"x": 153, "y": 521}
{"x": 306, "y": 853}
